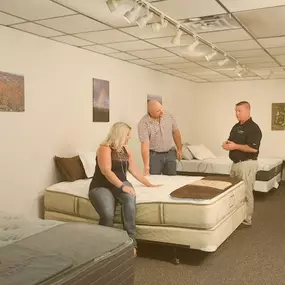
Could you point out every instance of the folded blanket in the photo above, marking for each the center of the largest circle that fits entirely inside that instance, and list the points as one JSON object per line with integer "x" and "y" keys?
{"x": 206, "y": 188}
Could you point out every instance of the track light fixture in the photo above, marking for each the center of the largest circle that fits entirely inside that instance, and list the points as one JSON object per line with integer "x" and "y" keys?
{"x": 156, "y": 27}
{"x": 223, "y": 61}
{"x": 176, "y": 39}
{"x": 114, "y": 4}
{"x": 193, "y": 46}
{"x": 142, "y": 21}
{"x": 131, "y": 15}
{"x": 210, "y": 56}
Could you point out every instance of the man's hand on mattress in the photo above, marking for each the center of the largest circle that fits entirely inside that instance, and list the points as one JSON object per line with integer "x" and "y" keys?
{"x": 129, "y": 190}
{"x": 154, "y": 185}
{"x": 179, "y": 154}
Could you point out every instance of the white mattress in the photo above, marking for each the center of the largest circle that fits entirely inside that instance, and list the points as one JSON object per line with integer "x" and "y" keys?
{"x": 205, "y": 240}
{"x": 266, "y": 186}
{"x": 175, "y": 211}
{"x": 222, "y": 165}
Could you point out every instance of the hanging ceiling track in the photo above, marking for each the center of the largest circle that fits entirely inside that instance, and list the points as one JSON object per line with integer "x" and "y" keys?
{"x": 188, "y": 31}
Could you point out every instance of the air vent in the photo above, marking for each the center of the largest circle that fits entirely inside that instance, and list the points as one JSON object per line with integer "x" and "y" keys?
{"x": 211, "y": 23}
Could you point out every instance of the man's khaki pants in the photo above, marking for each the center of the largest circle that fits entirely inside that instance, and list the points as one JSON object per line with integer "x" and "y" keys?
{"x": 246, "y": 170}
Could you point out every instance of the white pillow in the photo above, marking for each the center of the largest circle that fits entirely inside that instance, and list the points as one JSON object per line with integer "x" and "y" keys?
{"x": 201, "y": 152}
{"x": 186, "y": 153}
{"x": 88, "y": 160}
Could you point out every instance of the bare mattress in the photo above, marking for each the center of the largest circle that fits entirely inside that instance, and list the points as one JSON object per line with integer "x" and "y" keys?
{"x": 51, "y": 252}
{"x": 155, "y": 206}
{"x": 267, "y": 177}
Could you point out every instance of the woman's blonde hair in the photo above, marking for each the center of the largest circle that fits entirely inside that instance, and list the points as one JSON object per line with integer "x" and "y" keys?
{"x": 117, "y": 136}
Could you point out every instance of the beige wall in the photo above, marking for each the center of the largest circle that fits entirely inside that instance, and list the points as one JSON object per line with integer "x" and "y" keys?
{"x": 58, "y": 116}
{"x": 214, "y": 113}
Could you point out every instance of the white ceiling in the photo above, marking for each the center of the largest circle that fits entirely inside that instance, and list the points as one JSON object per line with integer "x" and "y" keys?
{"x": 257, "y": 39}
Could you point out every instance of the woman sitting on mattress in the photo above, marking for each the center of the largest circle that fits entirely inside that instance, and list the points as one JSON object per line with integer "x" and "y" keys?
{"x": 110, "y": 184}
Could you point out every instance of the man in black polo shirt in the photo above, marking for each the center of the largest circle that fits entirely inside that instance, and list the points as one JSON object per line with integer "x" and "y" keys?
{"x": 243, "y": 146}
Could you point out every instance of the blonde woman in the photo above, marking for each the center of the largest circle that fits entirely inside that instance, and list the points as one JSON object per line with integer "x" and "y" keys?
{"x": 110, "y": 184}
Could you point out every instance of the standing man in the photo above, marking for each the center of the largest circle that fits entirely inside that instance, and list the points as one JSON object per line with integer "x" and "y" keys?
{"x": 243, "y": 146}
{"x": 157, "y": 130}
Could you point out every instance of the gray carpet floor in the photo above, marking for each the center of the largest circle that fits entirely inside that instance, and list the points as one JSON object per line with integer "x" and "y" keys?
{"x": 251, "y": 255}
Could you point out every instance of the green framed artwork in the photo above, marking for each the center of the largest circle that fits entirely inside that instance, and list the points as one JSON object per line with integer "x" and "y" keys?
{"x": 278, "y": 117}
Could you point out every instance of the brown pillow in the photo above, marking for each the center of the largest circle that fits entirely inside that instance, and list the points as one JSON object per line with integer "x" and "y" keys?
{"x": 70, "y": 168}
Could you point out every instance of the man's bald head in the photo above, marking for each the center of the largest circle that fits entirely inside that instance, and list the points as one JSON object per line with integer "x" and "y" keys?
{"x": 242, "y": 111}
{"x": 154, "y": 108}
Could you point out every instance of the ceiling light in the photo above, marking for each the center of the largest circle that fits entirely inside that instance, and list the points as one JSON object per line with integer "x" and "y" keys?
{"x": 223, "y": 61}
{"x": 176, "y": 39}
{"x": 239, "y": 70}
{"x": 131, "y": 16}
{"x": 142, "y": 21}
{"x": 209, "y": 56}
{"x": 114, "y": 4}
{"x": 157, "y": 26}
{"x": 193, "y": 45}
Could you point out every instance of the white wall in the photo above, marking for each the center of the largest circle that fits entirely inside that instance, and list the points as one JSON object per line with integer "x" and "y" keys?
{"x": 58, "y": 115}
{"x": 214, "y": 113}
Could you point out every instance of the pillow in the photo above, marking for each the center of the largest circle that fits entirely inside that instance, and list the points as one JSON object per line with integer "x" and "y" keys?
{"x": 186, "y": 153}
{"x": 201, "y": 152}
{"x": 89, "y": 162}
{"x": 70, "y": 168}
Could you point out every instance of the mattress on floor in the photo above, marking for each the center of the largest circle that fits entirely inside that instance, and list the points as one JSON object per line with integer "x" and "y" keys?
{"x": 155, "y": 206}
{"x": 63, "y": 253}
{"x": 268, "y": 167}
{"x": 201, "y": 239}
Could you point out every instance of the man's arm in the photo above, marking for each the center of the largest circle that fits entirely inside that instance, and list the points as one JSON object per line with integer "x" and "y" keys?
{"x": 177, "y": 137}
{"x": 144, "y": 139}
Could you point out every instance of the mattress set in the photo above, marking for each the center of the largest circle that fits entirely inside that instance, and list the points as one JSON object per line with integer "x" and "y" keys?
{"x": 51, "y": 252}
{"x": 267, "y": 177}
{"x": 198, "y": 223}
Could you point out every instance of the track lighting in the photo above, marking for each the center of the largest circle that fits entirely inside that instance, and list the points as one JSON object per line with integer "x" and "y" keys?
{"x": 131, "y": 15}
{"x": 176, "y": 39}
{"x": 209, "y": 56}
{"x": 193, "y": 45}
{"x": 114, "y": 4}
{"x": 239, "y": 70}
{"x": 157, "y": 26}
{"x": 142, "y": 21}
{"x": 223, "y": 61}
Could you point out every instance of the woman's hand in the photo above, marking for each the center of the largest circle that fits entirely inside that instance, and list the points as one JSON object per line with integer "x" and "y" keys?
{"x": 129, "y": 190}
{"x": 154, "y": 185}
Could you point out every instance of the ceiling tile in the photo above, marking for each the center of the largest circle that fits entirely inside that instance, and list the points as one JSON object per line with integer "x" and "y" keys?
{"x": 248, "y": 53}
{"x": 99, "y": 10}
{"x": 166, "y": 42}
{"x": 264, "y": 23}
{"x": 239, "y": 45}
{"x": 175, "y": 72}
{"x": 152, "y": 53}
{"x": 140, "y": 62}
{"x": 214, "y": 64}
{"x": 73, "y": 24}
{"x": 148, "y": 33}
{"x": 247, "y": 78}
{"x": 104, "y": 37}
{"x": 100, "y": 49}
{"x": 37, "y": 29}
{"x": 281, "y": 59}
{"x": 133, "y": 45}
{"x": 276, "y": 51}
{"x": 257, "y": 59}
{"x": 157, "y": 67}
{"x": 71, "y": 41}
{"x": 242, "y": 5}
{"x": 262, "y": 64}
{"x": 123, "y": 56}
{"x": 279, "y": 75}
{"x": 6, "y": 19}
{"x": 181, "y": 65}
{"x": 34, "y": 9}
{"x": 167, "y": 60}
{"x": 273, "y": 42}
{"x": 181, "y": 9}
{"x": 226, "y": 36}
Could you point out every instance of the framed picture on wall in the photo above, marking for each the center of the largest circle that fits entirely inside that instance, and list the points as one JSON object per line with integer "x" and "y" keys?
{"x": 101, "y": 100}
{"x": 278, "y": 117}
{"x": 12, "y": 92}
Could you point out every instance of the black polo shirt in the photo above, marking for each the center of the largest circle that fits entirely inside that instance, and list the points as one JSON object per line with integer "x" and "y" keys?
{"x": 249, "y": 134}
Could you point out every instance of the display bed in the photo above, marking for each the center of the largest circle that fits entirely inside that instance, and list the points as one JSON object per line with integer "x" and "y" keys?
{"x": 52, "y": 252}
{"x": 198, "y": 223}
{"x": 267, "y": 177}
